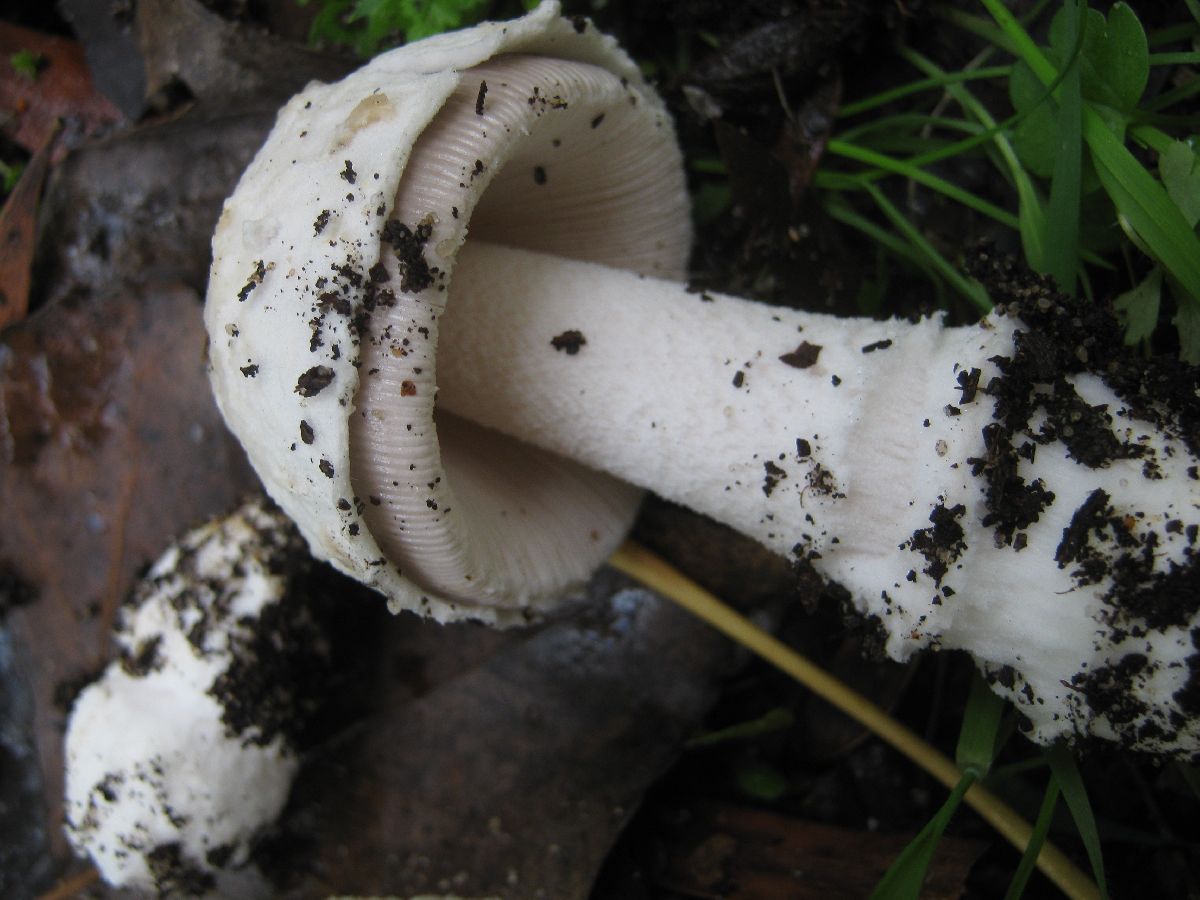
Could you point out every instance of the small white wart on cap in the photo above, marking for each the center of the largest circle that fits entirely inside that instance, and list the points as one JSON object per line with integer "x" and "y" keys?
{"x": 489, "y": 408}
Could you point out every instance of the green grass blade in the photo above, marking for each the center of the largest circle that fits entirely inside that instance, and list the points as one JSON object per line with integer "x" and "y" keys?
{"x": 1173, "y": 33}
{"x": 1144, "y": 202}
{"x": 977, "y": 26}
{"x": 1066, "y": 774}
{"x": 843, "y": 213}
{"x": 971, "y": 290}
{"x": 1182, "y": 58}
{"x": 906, "y": 876}
{"x": 924, "y": 84}
{"x": 912, "y": 123}
{"x": 1149, "y": 136}
{"x": 1041, "y": 827}
{"x": 1176, "y": 95}
{"x": 770, "y": 722}
{"x": 980, "y": 728}
{"x": 903, "y": 881}
{"x": 1031, "y": 220}
{"x": 919, "y": 175}
{"x": 1062, "y": 212}
{"x": 1018, "y": 38}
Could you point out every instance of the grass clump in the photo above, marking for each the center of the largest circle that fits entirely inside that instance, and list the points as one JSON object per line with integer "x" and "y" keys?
{"x": 1104, "y": 173}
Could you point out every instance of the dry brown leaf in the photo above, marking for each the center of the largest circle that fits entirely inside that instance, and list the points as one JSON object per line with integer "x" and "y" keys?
{"x": 111, "y": 444}
{"x": 18, "y": 227}
{"x": 738, "y": 853}
{"x": 62, "y": 89}
{"x": 514, "y": 775}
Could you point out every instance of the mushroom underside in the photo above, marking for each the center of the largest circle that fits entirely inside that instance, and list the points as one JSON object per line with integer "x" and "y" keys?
{"x": 559, "y": 157}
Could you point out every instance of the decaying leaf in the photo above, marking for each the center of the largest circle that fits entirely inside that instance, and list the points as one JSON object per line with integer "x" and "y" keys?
{"x": 17, "y": 227}
{"x": 110, "y": 444}
{"x": 513, "y": 774}
{"x": 746, "y": 854}
{"x": 60, "y": 89}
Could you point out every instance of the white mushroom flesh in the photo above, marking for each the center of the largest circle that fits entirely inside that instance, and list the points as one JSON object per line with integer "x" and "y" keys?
{"x": 176, "y": 759}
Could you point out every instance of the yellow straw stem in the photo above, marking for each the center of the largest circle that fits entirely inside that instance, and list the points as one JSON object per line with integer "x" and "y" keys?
{"x": 655, "y": 573}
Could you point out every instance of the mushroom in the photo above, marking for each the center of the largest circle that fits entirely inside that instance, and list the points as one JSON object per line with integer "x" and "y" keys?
{"x": 465, "y": 425}
{"x": 184, "y": 749}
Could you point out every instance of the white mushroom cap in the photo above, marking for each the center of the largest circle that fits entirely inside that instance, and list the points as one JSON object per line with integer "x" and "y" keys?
{"x": 297, "y": 293}
{"x": 179, "y": 755}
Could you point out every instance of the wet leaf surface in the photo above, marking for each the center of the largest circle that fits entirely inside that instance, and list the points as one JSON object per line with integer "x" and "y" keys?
{"x": 212, "y": 57}
{"x": 142, "y": 206}
{"x": 110, "y": 443}
{"x": 514, "y": 772}
{"x": 61, "y": 88}
{"x": 746, "y": 854}
{"x": 18, "y": 221}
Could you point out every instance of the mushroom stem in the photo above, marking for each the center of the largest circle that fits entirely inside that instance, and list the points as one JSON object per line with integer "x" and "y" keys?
{"x": 867, "y": 448}
{"x": 759, "y": 416}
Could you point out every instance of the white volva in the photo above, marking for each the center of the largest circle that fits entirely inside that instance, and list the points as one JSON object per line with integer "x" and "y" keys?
{"x": 161, "y": 791}
{"x": 464, "y": 425}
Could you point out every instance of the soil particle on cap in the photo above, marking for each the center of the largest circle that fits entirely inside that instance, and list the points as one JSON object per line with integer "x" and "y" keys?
{"x": 1142, "y": 597}
{"x": 774, "y": 475}
{"x": 942, "y": 543}
{"x": 803, "y": 356}
{"x": 1012, "y": 503}
{"x": 569, "y": 341}
{"x": 739, "y": 378}
{"x": 273, "y": 686}
{"x": 539, "y": 175}
{"x": 321, "y": 221}
{"x": 1109, "y": 689}
{"x": 348, "y": 173}
{"x": 326, "y": 468}
{"x": 480, "y": 97}
{"x": 1072, "y": 335}
{"x": 306, "y": 432}
{"x": 176, "y": 876}
{"x": 331, "y": 301}
{"x": 821, "y": 482}
{"x": 968, "y": 385}
{"x": 596, "y": 121}
{"x": 1063, "y": 336}
{"x": 409, "y": 246}
{"x": 249, "y": 371}
{"x": 803, "y": 448}
{"x": 1092, "y": 515}
{"x": 144, "y": 658}
{"x": 868, "y": 631}
{"x": 313, "y": 381}
{"x": 877, "y": 345}
{"x": 255, "y": 279}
